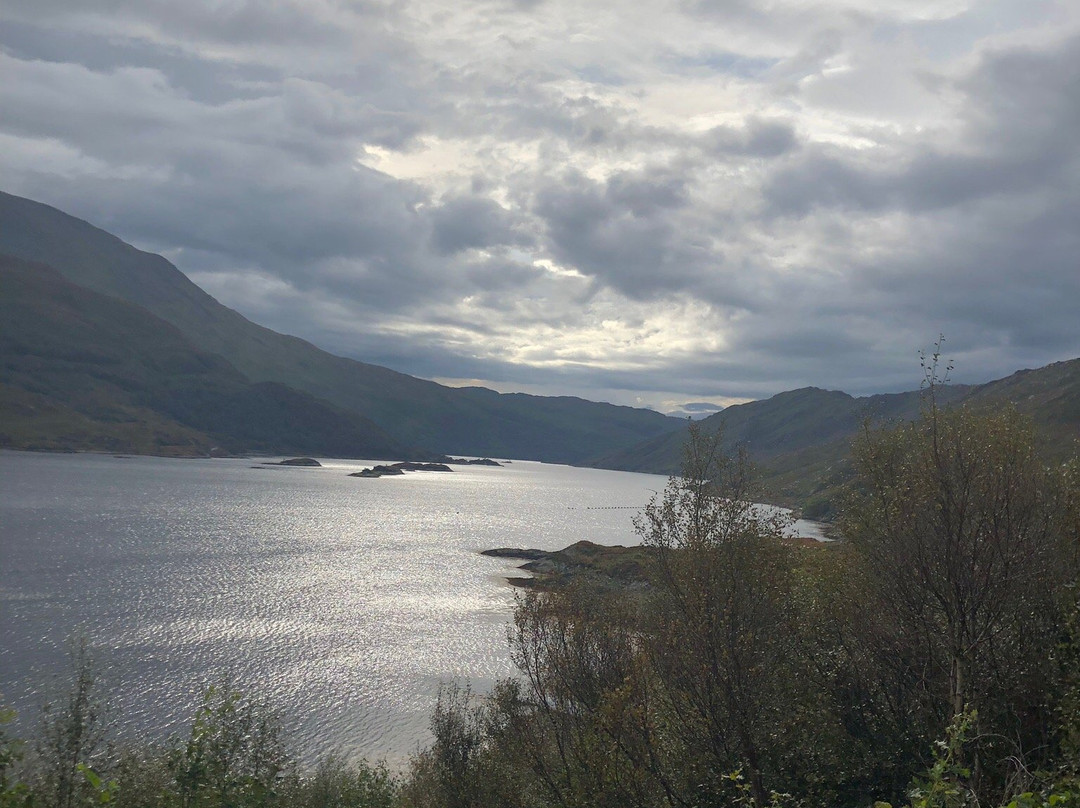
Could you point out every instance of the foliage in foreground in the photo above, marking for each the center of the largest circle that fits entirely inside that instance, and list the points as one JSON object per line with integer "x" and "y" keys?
{"x": 931, "y": 660}
{"x": 232, "y": 757}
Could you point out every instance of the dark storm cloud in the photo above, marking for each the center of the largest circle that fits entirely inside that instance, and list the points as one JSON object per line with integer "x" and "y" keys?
{"x": 712, "y": 200}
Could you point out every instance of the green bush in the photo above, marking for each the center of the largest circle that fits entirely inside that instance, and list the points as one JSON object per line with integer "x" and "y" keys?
{"x": 234, "y": 756}
{"x": 337, "y": 784}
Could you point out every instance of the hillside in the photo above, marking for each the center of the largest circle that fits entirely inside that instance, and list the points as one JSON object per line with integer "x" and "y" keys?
{"x": 1050, "y": 395}
{"x": 82, "y": 370}
{"x": 788, "y": 423}
{"x": 801, "y": 439}
{"x": 412, "y": 411}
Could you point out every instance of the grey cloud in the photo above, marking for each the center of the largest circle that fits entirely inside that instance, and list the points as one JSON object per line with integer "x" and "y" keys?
{"x": 493, "y": 279}
{"x": 647, "y": 192}
{"x": 701, "y": 406}
{"x": 231, "y": 139}
{"x": 722, "y": 62}
{"x": 799, "y": 341}
{"x": 728, "y": 11}
{"x": 133, "y": 116}
{"x": 924, "y": 183}
{"x": 246, "y": 21}
{"x": 640, "y": 234}
{"x": 320, "y": 110}
{"x": 269, "y": 181}
{"x": 464, "y": 222}
{"x": 351, "y": 234}
{"x": 769, "y": 138}
{"x": 532, "y": 105}
{"x": 630, "y": 253}
{"x": 991, "y": 258}
{"x": 577, "y": 121}
{"x": 823, "y": 178}
{"x": 202, "y": 79}
{"x": 757, "y": 138}
{"x": 1008, "y": 276}
{"x": 1023, "y": 110}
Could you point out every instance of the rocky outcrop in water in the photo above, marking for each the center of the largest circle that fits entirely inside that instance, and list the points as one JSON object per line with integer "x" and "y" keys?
{"x": 604, "y": 565}
{"x": 300, "y": 461}
{"x": 399, "y": 468}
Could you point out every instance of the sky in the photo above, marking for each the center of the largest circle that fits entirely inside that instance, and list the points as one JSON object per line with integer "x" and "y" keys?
{"x": 675, "y": 204}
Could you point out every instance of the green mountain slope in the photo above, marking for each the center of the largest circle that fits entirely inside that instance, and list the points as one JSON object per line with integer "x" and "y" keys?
{"x": 785, "y": 424}
{"x": 1050, "y": 395}
{"x": 413, "y": 411}
{"x": 82, "y": 370}
{"x": 801, "y": 439}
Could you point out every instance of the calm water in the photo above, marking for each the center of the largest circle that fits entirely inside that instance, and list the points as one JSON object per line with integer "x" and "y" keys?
{"x": 345, "y": 601}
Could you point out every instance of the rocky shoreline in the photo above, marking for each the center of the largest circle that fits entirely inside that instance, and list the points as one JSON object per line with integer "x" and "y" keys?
{"x": 613, "y": 565}
{"x": 606, "y": 565}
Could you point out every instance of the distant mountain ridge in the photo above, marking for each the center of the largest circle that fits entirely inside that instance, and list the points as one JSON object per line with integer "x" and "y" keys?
{"x": 411, "y": 412}
{"x": 801, "y": 439}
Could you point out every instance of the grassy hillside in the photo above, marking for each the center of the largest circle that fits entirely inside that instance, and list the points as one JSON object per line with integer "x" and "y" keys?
{"x": 1050, "y": 395}
{"x": 81, "y": 370}
{"x": 801, "y": 439}
{"x": 786, "y": 424}
{"x": 414, "y": 411}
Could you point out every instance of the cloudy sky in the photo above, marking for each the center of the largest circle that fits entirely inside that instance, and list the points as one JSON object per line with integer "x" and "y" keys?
{"x": 655, "y": 202}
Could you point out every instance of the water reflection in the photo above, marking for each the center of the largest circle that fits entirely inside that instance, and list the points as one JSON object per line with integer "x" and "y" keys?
{"x": 345, "y": 601}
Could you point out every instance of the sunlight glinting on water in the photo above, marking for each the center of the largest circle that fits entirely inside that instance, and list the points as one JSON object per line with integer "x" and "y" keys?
{"x": 344, "y": 602}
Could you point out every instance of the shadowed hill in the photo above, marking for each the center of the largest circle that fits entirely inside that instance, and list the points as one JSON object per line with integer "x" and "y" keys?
{"x": 1050, "y": 395}
{"x": 81, "y": 370}
{"x": 801, "y": 439}
{"x": 413, "y": 411}
{"x": 788, "y": 422}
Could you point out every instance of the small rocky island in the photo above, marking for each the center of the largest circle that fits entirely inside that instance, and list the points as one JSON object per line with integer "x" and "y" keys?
{"x": 399, "y": 468}
{"x": 483, "y": 461}
{"x": 309, "y": 462}
{"x": 606, "y": 565}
